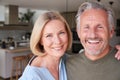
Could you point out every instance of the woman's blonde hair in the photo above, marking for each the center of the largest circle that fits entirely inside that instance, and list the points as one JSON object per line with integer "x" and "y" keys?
{"x": 39, "y": 25}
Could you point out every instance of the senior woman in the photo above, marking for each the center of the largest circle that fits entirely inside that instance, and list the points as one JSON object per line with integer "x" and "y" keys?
{"x": 51, "y": 37}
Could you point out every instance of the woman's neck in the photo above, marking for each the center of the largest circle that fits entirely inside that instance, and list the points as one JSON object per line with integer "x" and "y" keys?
{"x": 52, "y": 64}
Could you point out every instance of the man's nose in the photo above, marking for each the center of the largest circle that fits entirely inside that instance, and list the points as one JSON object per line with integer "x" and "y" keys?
{"x": 92, "y": 33}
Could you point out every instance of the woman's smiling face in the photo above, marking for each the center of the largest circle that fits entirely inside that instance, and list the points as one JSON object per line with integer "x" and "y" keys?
{"x": 55, "y": 38}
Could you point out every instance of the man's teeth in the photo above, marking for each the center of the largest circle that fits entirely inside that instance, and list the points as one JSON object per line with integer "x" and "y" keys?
{"x": 93, "y": 41}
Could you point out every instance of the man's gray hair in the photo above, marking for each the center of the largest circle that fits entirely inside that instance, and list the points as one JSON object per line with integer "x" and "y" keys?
{"x": 95, "y": 5}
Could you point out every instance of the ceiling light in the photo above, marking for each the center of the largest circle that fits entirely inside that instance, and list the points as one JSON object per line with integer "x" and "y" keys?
{"x": 98, "y": 0}
{"x": 111, "y": 3}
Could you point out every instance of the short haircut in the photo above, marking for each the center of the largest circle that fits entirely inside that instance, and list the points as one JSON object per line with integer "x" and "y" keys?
{"x": 95, "y": 5}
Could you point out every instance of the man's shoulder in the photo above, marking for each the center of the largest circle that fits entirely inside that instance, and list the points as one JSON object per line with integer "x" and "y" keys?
{"x": 74, "y": 58}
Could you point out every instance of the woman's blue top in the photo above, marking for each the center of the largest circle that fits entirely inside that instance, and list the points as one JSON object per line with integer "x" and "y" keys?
{"x": 42, "y": 73}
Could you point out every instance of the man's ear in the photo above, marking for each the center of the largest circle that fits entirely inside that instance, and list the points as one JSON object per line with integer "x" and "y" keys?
{"x": 78, "y": 33}
{"x": 77, "y": 30}
{"x": 112, "y": 32}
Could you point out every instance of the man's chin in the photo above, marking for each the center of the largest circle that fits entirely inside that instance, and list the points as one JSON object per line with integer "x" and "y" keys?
{"x": 93, "y": 52}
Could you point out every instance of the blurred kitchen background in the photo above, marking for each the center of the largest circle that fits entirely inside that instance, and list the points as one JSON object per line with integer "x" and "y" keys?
{"x": 17, "y": 18}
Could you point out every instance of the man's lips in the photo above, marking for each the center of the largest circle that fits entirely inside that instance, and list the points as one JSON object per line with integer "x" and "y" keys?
{"x": 93, "y": 41}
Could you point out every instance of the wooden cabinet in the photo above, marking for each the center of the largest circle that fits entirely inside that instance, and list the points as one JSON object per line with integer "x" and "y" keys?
{"x": 20, "y": 26}
{"x": 16, "y": 27}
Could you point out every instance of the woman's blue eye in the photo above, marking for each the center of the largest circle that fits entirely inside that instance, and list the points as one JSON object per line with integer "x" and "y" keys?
{"x": 86, "y": 27}
{"x": 62, "y": 32}
{"x": 48, "y": 36}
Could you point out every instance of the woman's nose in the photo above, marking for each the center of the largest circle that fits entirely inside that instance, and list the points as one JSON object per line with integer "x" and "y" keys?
{"x": 57, "y": 40}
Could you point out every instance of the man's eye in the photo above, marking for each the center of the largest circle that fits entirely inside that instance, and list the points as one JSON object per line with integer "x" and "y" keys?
{"x": 86, "y": 27}
{"x": 100, "y": 27}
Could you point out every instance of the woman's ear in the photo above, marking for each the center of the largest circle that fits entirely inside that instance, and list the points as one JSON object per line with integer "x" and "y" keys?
{"x": 41, "y": 42}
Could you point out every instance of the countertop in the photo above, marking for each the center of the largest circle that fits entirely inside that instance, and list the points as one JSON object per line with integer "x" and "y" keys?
{"x": 6, "y": 59}
{"x": 15, "y": 50}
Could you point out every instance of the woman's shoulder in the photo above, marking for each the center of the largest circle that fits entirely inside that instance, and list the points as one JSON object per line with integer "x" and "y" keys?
{"x": 32, "y": 73}
{"x": 35, "y": 61}
{"x": 35, "y": 73}
{"x": 28, "y": 73}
